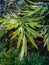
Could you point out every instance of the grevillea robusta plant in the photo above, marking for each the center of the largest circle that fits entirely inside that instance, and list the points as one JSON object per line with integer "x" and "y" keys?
{"x": 25, "y": 25}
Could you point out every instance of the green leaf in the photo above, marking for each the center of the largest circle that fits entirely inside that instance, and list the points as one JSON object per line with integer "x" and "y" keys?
{"x": 45, "y": 39}
{"x": 33, "y": 32}
{"x": 24, "y": 47}
{"x": 19, "y": 40}
{"x": 31, "y": 40}
{"x": 36, "y": 19}
{"x": 34, "y": 24}
{"x": 15, "y": 34}
{"x": 9, "y": 27}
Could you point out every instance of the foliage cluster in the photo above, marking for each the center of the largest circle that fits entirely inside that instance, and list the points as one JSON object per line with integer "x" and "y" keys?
{"x": 23, "y": 23}
{"x": 10, "y": 58}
